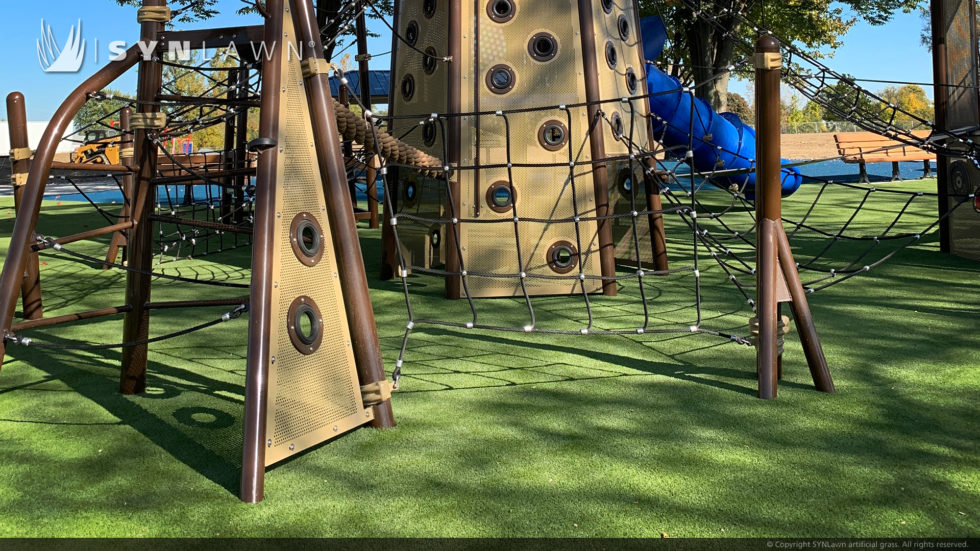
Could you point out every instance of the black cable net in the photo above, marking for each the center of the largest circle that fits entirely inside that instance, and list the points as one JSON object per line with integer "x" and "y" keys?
{"x": 838, "y": 228}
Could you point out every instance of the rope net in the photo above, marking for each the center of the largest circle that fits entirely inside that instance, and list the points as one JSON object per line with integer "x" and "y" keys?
{"x": 838, "y": 228}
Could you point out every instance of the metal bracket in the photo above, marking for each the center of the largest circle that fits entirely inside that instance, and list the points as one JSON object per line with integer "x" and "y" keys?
{"x": 768, "y": 61}
{"x": 363, "y": 57}
{"x": 19, "y": 179}
{"x": 21, "y": 154}
{"x": 154, "y": 14}
{"x": 315, "y": 66}
{"x": 376, "y": 393}
{"x": 148, "y": 121}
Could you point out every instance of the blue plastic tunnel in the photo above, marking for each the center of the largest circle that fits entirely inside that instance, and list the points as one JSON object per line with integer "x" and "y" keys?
{"x": 682, "y": 122}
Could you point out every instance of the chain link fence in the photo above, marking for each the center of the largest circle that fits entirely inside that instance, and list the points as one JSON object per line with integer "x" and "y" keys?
{"x": 834, "y": 126}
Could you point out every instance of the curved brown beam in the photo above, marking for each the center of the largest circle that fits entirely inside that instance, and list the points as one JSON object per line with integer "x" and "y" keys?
{"x": 13, "y": 265}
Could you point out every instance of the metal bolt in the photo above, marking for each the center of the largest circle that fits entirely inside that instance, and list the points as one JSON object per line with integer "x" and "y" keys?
{"x": 269, "y": 443}
{"x": 292, "y": 447}
{"x": 336, "y": 428}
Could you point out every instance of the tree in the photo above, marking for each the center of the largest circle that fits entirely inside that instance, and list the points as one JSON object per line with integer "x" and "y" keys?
{"x": 910, "y": 98}
{"x": 326, "y": 11}
{"x": 97, "y": 109}
{"x": 842, "y": 98}
{"x": 704, "y": 53}
{"x": 740, "y": 106}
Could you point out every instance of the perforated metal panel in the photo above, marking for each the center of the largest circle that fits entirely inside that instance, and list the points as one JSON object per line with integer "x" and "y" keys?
{"x": 313, "y": 395}
{"x": 430, "y": 95}
{"x": 539, "y": 79}
{"x": 541, "y": 192}
{"x": 964, "y": 111}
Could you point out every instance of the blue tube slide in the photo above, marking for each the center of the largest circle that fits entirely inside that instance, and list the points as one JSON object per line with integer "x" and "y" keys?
{"x": 682, "y": 122}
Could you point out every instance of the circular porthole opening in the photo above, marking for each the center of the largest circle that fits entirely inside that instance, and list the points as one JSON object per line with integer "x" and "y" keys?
{"x": 624, "y": 181}
{"x": 501, "y": 196}
{"x": 553, "y": 135}
{"x": 410, "y": 193}
{"x": 429, "y": 133}
{"x": 607, "y": 6}
{"x": 959, "y": 176}
{"x": 501, "y": 11}
{"x": 543, "y": 47}
{"x": 435, "y": 238}
{"x": 306, "y": 238}
{"x": 429, "y": 8}
{"x": 412, "y": 33}
{"x": 631, "y": 81}
{"x": 430, "y": 61}
{"x": 501, "y": 79}
{"x": 624, "y": 27}
{"x": 616, "y": 121}
{"x": 408, "y": 87}
{"x": 562, "y": 257}
{"x": 612, "y": 56}
{"x": 305, "y": 325}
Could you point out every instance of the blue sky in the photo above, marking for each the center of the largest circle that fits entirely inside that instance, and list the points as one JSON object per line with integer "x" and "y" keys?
{"x": 891, "y": 52}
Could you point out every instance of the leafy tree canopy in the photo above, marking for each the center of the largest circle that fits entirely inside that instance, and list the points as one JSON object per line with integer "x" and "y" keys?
{"x": 704, "y": 53}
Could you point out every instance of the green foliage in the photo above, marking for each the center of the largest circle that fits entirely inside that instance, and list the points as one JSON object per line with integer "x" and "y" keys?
{"x": 843, "y": 98}
{"x": 701, "y": 52}
{"x": 910, "y": 98}
{"x": 188, "y": 82}
{"x": 741, "y": 107}
{"x": 96, "y": 110}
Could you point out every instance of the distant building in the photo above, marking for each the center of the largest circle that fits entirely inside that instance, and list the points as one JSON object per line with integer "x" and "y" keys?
{"x": 34, "y": 132}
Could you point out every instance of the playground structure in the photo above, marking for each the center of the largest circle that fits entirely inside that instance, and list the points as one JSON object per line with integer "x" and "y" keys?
{"x": 314, "y": 368}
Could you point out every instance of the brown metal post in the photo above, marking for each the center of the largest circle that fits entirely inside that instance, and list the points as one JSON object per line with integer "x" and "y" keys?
{"x": 350, "y": 262}
{"x": 126, "y": 159}
{"x": 775, "y": 264}
{"x": 12, "y": 276}
{"x": 454, "y": 264}
{"x": 20, "y": 168}
{"x": 136, "y": 326}
{"x": 261, "y": 307}
{"x": 241, "y": 143}
{"x": 228, "y": 192}
{"x": 940, "y": 78}
{"x": 655, "y": 220}
{"x": 364, "y": 77}
{"x": 768, "y": 210}
{"x": 389, "y": 245}
{"x": 600, "y": 172}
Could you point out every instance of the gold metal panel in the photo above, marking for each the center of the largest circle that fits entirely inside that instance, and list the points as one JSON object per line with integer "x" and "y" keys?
{"x": 964, "y": 222}
{"x": 431, "y": 95}
{"x": 311, "y": 397}
{"x": 542, "y": 193}
{"x": 613, "y": 82}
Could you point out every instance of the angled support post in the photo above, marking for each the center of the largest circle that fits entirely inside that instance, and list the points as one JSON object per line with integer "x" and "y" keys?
{"x": 777, "y": 280}
{"x": 20, "y": 158}
{"x": 353, "y": 277}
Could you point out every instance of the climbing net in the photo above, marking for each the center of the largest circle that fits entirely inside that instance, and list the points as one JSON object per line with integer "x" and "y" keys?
{"x": 839, "y": 228}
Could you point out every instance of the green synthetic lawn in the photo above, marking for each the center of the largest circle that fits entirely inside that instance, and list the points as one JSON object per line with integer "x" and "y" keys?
{"x": 507, "y": 434}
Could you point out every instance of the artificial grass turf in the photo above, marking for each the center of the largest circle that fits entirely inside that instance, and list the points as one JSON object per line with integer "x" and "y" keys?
{"x": 507, "y": 434}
